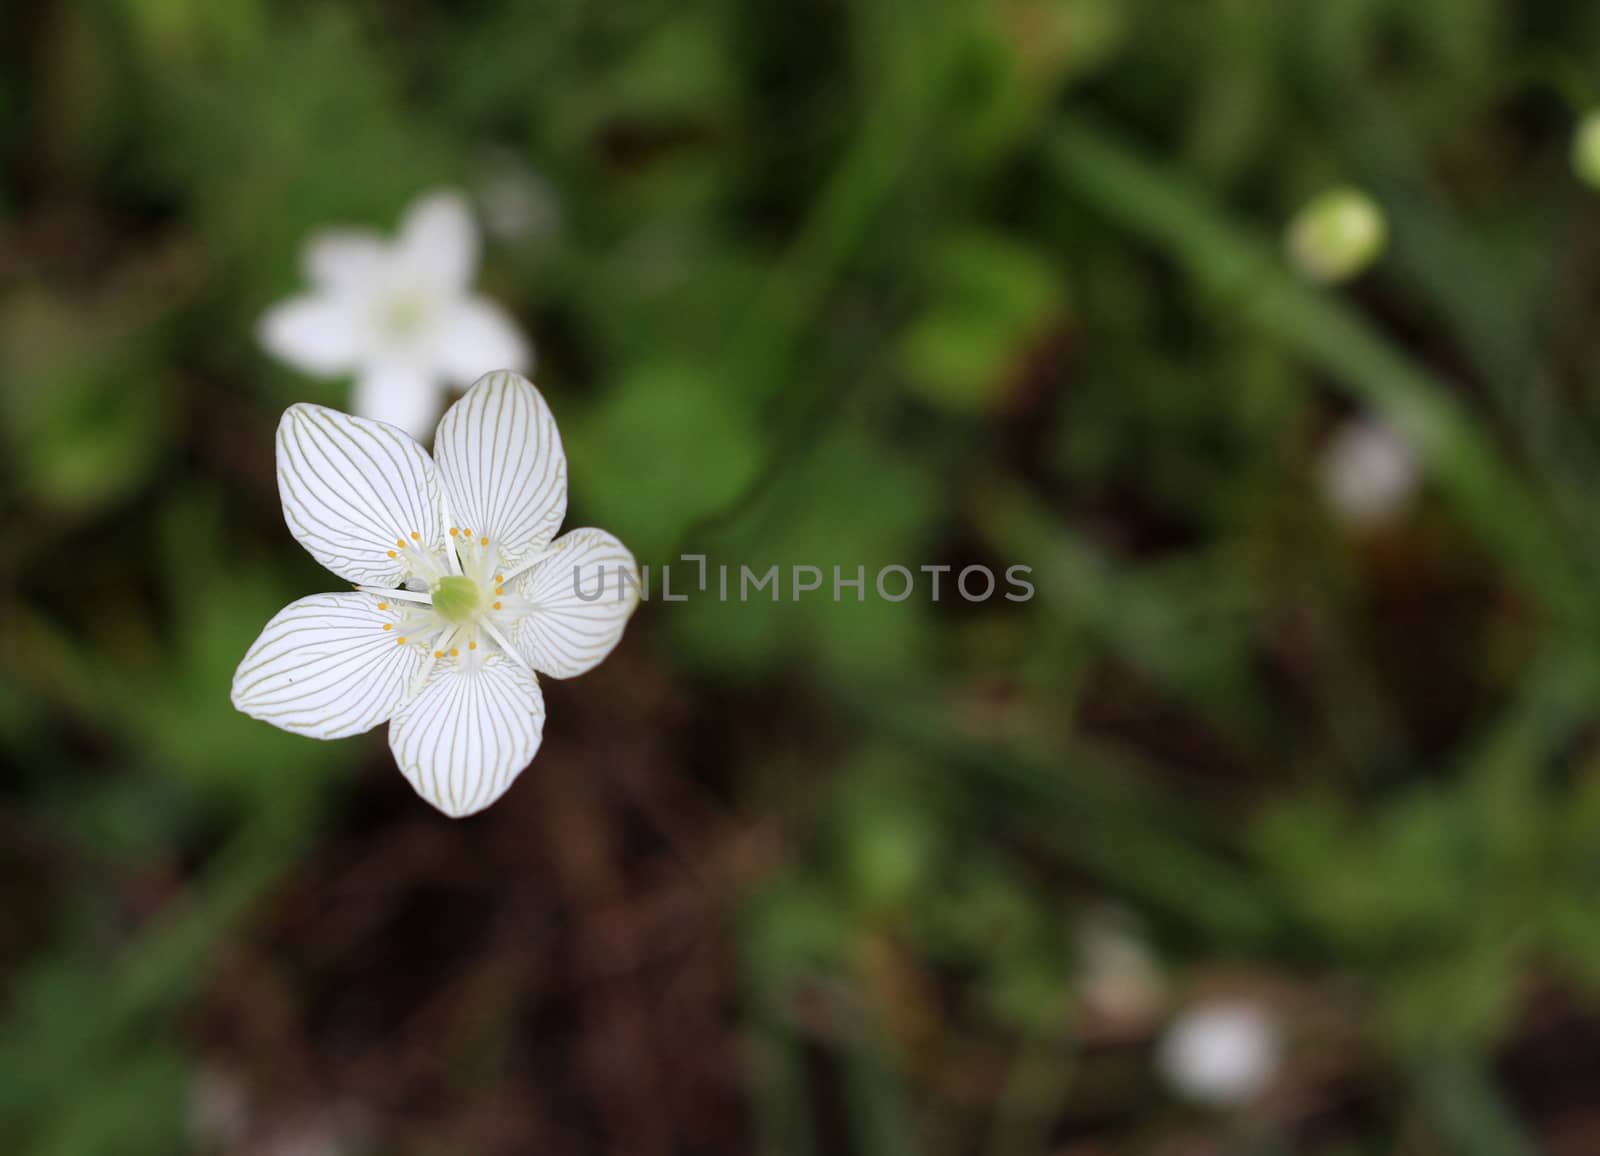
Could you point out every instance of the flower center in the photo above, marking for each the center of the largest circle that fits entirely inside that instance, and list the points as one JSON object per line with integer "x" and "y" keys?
{"x": 404, "y": 313}
{"x": 456, "y": 599}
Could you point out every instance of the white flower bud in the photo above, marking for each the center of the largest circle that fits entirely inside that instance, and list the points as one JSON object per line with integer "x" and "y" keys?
{"x": 1337, "y": 236}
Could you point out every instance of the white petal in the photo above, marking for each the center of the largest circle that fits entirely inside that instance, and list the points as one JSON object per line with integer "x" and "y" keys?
{"x": 319, "y": 334}
{"x": 475, "y": 336}
{"x": 399, "y": 394}
{"x": 352, "y": 488}
{"x": 565, "y": 634}
{"x": 464, "y": 740}
{"x": 325, "y": 667}
{"x": 346, "y": 258}
{"x": 503, "y": 467}
{"x": 438, "y": 242}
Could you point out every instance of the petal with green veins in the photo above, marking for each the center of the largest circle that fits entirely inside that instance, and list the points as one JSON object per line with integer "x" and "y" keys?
{"x": 503, "y": 467}
{"x": 465, "y": 738}
{"x": 576, "y": 600}
{"x": 354, "y": 491}
{"x": 326, "y": 667}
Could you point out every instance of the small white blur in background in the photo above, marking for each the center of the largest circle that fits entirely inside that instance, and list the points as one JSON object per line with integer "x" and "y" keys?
{"x": 1369, "y": 474}
{"x": 1221, "y": 1053}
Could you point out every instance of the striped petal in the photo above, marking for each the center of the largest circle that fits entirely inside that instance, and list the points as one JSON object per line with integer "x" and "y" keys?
{"x": 326, "y": 667}
{"x": 467, "y": 736}
{"x": 503, "y": 467}
{"x": 352, "y": 489}
{"x": 579, "y": 596}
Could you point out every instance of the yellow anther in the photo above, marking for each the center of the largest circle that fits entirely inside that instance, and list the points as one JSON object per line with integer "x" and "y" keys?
{"x": 469, "y": 532}
{"x": 438, "y": 654}
{"x": 392, "y": 554}
{"x": 383, "y": 606}
{"x": 388, "y": 626}
{"x": 454, "y": 653}
{"x": 415, "y": 536}
{"x": 483, "y": 541}
{"x": 401, "y": 640}
{"x": 472, "y": 646}
{"x": 499, "y": 590}
{"x": 400, "y": 542}
{"x": 497, "y": 606}
{"x": 454, "y": 532}
{"x": 498, "y": 579}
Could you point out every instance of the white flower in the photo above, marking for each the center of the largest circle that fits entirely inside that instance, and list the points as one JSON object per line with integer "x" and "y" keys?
{"x": 401, "y": 316}
{"x": 1369, "y": 473}
{"x": 1220, "y": 1053}
{"x": 461, "y": 595}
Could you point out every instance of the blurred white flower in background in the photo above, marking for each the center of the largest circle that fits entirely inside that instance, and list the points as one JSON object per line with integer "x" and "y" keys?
{"x": 218, "y": 1110}
{"x": 400, "y": 315}
{"x": 1220, "y": 1053}
{"x": 1119, "y": 979}
{"x": 1369, "y": 473}
{"x": 341, "y": 1130}
{"x": 1337, "y": 236}
{"x": 519, "y": 206}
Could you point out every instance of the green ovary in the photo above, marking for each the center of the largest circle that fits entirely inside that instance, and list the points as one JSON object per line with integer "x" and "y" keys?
{"x": 456, "y": 599}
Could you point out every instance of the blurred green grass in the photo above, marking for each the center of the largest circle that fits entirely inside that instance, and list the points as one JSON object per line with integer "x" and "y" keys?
{"x": 859, "y": 282}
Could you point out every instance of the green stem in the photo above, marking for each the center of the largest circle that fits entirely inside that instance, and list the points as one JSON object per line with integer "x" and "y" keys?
{"x": 1241, "y": 268}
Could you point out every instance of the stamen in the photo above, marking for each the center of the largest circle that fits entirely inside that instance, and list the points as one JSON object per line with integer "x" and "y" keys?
{"x": 469, "y": 532}
{"x": 401, "y": 640}
{"x": 483, "y": 541}
{"x": 438, "y": 654}
{"x": 415, "y": 536}
{"x": 498, "y": 579}
{"x": 472, "y": 646}
{"x": 497, "y": 606}
{"x": 383, "y": 606}
{"x": 390, "y": 594}
{"x": 392, "y": 554}
{"x": 510, "y": 651}
{"x": 400, "y": 542}
{"x": 454, "y": 653}
{"x": 388, "y": 626}
{"x": 454, "y": 532}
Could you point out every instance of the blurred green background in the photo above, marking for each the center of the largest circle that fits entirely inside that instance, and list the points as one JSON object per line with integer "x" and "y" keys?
{"x": 835, "y": 282}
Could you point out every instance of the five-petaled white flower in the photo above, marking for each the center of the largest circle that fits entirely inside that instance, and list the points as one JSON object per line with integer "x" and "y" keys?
{"x": 402, "y": 317}
{"x": 461, "y": 594}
